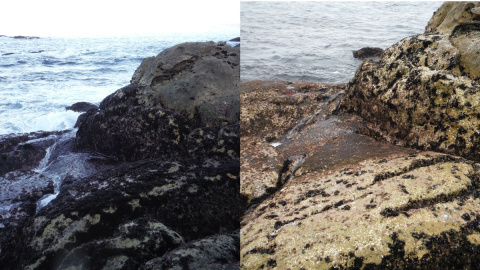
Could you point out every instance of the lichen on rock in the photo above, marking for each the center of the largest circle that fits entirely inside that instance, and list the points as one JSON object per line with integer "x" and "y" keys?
{"x": 424, "y": 90}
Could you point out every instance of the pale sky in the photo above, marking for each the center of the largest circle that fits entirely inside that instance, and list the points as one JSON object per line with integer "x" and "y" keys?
{"x": 116, "y": 17}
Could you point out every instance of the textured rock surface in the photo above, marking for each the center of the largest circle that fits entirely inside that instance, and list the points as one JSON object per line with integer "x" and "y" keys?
{"x": 133, "y": 132}
{"x": 400, "y": 212}
{"x": 218, "y": 252}
{"x": 198, "y": 80}
{"x": 24, "y": 151}
{"x": 368, "y": 52}
{"x": 424, "y": 91}
{"x": 174, "y": 97}
{"x": 451, "y": 15}
{"x": 269, "y": 110}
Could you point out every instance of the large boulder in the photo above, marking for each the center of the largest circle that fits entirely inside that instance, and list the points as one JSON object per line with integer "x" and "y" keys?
{"x": 173, "y": 98}
{"x": 198, "y": 80}
{"x": 424, "y": 91}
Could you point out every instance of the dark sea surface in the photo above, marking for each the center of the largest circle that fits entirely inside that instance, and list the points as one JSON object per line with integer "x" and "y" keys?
{"x": 40, "y": 77}
{"x": 313, "y": 41}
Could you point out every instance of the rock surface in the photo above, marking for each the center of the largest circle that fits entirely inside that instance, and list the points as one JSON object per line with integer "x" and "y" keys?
{"x": 218, "y": 252}
{"x": 145, "y": 183}
{"x": 424, "y": 90}
{"x": 187, "y": 87}
{"x": 399, "y": 212}
{"x": 368, "y": 52}
{"x": 81, "y": 106}
{"x": 452, "y": 15}
{"x": 24, "y": 151}
{"x": 269, "y": 110}
{"x": 198, "y": 80}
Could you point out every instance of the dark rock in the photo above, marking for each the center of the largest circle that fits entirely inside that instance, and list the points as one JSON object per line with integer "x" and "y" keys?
{"x": 237, "y": 39}
{"x": 194, "y": 198}
{"x": 40, "y": 51}
{"x": 25, "y": 37}
{"x": 81, "y": 107}
{"x": 368, "y": 52}
{"x": 133, "y": 133}
{"x": 133, "y": 242}
{"x": 24, "y": 151}
{"x": 215, "y": 252}
{"x": 196, "y": 80}
{"x": 7, "y": 54}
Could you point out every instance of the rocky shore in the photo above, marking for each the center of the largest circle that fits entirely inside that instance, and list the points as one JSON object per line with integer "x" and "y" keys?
{"x": 150, "y": 180}
{"x": 381, "y": 173}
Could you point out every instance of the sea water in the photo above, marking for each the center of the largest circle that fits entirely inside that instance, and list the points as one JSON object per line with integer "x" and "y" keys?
{"x": 40, "y": 77}
{"x": 313, "y": 41}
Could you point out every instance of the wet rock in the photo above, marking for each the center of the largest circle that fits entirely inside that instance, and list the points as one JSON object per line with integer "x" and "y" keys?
{"x": 277, "y": 120}
{"x": 81, "y": 107}
{"x": 424, "y": 91}
{"x": 142, "y": 181}
{"x": 133, "y": 242}
{"x": 133, "y": 133}
{"x": 368, "y": 52}
{"x": 193, "y": 198}
{"x": 217, "y": 252}
{"x": 24, "y": 151}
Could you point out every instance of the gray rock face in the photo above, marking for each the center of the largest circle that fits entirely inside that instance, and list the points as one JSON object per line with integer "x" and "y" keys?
{"x": 198, "y": 80}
